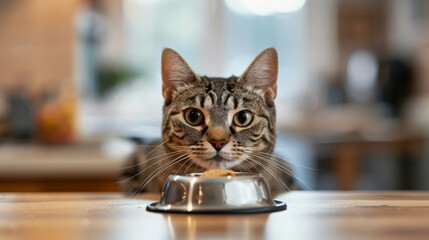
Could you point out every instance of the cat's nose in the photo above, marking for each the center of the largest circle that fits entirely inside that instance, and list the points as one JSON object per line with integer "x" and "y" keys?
{"x": 217, "y": 137}
{"x": 218, "y": 143}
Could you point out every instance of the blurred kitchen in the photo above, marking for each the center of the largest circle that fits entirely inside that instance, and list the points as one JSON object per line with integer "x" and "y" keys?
{"x": 80, "y": 85}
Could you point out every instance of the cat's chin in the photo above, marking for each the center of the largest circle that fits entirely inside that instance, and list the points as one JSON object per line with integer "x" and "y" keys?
{"x": 217, "y": 158}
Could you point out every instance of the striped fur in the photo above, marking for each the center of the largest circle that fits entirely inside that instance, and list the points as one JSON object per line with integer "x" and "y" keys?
{"x": 186, "y": 148}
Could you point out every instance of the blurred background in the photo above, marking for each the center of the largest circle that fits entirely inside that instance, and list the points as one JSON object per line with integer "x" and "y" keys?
{"x": 79, "y": 79}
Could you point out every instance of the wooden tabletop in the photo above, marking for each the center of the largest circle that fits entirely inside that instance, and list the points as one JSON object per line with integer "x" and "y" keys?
{"x": 310, "y": 215}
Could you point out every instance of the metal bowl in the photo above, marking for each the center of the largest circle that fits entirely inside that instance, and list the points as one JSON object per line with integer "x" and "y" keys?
{"x": 244, "y": 193}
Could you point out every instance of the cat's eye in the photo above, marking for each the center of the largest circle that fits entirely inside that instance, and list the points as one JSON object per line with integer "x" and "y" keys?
{"x": 243, "y": 118}
{"x": 194, "y": 116}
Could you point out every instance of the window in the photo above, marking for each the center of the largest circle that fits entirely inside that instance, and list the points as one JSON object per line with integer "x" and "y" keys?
{"x": 213, "y": 38}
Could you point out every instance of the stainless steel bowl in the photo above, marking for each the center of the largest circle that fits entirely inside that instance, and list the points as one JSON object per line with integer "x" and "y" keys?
{"x": 231, "y": 194}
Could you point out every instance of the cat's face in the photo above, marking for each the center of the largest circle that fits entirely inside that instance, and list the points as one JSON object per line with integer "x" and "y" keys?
{"x": 219, "y": 122}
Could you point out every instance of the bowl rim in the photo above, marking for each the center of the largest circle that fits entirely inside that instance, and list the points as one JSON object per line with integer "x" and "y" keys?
{"x": 240, "y": 175}
{"x": 278, "y": 206}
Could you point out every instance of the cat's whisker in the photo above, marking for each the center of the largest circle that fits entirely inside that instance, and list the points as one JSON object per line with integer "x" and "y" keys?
{"x": 278, "y": 165}
{"x": 188, "y": 167}
{"x": 253, "y": 167}
{"x": 170, "y": 154}
{"x": 237, "y": 168}
{"x": 156, "y": 147}
{"x": 180, "y": 145}
{"x": 272, "y": 162}
{"x": 159, "y": 170}
{"x": 138, "y": 189}
{"x": 164, "y": 143}
{"x": 276, "y": 177}
{"x": 147, "y": 145}
{"x": 278, "y": 161}
{"x": 245, "y": 166}
{"x": 144, "y": 169}
{"x": 246, "y": 169}
{"x": 242, "y": 167}
{"x": 285, "y": 159}
{"x": 285, "y": 170}
{"x": 178, "y": 170}
{"x": 250, "y": 169}
{"x": 277, "y": 158}
{"x": 196, "y": 165}
{"x": 274, "y": 145}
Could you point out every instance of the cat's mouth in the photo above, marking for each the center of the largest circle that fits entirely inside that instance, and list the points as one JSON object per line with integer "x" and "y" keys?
{"x": 218, "y": 160}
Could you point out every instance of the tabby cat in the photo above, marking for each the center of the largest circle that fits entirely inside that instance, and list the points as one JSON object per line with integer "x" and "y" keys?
{"x": 209, "y": 122}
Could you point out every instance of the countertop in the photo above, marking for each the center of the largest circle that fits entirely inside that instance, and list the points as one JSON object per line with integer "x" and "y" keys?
{"x": 309, "y": 215}
{"x": 56, "y": 161}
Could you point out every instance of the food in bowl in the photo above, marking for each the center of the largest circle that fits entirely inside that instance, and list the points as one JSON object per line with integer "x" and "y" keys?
{"x": 218, "y": 173}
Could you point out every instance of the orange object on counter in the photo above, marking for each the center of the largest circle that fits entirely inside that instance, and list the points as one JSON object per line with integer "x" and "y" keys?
{"x": 56, "y": 118}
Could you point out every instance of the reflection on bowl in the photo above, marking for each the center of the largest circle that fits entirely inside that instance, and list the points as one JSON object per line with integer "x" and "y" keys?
{"x": 230, "y": 194}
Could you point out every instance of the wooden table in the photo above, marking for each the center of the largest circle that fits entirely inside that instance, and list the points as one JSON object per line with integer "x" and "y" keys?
{"x": 310, "y": 215}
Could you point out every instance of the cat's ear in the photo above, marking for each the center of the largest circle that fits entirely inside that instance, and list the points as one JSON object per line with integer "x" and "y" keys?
{"x": 176, "y": 74}
{"x": 262, "y": 73}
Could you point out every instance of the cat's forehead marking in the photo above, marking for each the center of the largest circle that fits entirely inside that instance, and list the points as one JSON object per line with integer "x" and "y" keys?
{"x": 221, "y": 95}
{"x": 221, "y": 90}
{"x": 206, "y": 101}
